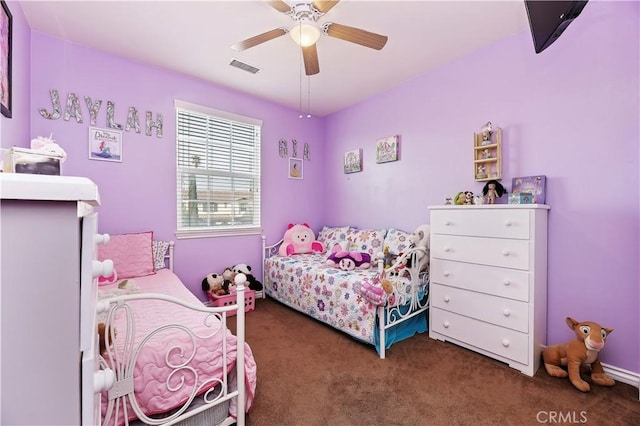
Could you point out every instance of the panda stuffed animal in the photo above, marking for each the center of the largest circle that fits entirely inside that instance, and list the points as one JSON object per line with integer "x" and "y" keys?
{"x": 245, "y": 269}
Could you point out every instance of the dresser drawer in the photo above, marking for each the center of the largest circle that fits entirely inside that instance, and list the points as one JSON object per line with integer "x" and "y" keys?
{"x": 481, "y": 223}
{"x": 507, "y": 313}
{"x": 486, "y": 251}
{"x": 492, "y": 338}
{"x": 503, "y": 282}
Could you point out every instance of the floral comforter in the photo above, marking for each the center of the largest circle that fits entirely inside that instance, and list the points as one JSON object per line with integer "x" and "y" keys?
{"x": 307, "y": 284}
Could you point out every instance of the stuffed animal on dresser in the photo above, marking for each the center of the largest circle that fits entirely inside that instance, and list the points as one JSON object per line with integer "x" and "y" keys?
{"x": 581, "y": 353}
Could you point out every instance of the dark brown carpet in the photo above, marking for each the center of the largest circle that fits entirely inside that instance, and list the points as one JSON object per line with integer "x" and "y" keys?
{"x": 310, "y": 374}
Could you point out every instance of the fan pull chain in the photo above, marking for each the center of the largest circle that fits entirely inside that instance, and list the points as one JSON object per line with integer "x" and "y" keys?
{"x": 308, "y": 96}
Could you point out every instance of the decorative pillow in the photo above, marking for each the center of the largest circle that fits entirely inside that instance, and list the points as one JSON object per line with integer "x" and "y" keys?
{"x": 132, "y": 254}
{"x": 366, "y": 240}
{"x": 159, "y": 250}
{"x": 396, "y": 240}
{"x": 332, "y": 235}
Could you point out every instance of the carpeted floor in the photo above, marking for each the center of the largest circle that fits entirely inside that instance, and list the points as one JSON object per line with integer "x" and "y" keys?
{"x": 310, "y": 374}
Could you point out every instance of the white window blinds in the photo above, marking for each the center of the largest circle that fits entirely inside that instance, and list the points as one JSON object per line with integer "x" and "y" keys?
{"x": 218, "y": 172}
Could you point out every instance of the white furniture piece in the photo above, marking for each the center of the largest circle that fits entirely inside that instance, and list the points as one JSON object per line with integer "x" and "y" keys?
{"x": 47, "y": 329}
{"x": 489, "y": 280}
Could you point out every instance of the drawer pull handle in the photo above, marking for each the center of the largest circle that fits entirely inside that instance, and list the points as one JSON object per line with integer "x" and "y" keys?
{"x": 447, "y": 249}
{"x": 102, "y": 238}
{"x": 507, "y": 282}
{"x": 446, "y": 273}
{"x": 104, "y": 268}
{"x": 447, "y": 223}
{"x": 506, "y": 252}
{"x": 446, "y": 324}
{"x": 506, "y": 312}
{"x": 505, "y": 343}
{"x": 447, "y": 299}
{"x": 508, "y": 222}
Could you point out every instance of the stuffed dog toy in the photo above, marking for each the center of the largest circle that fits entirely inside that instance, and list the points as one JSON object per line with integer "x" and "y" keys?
{"x": 579, "y": 353}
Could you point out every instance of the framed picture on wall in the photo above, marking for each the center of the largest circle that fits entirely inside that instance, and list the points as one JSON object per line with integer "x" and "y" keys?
{"x": 6, "y": 24}
{"x": 387, "y": 149}
{"x": 105, "y": 144}
{"x": 353, "y": 161}
{"x": 295, "y": 168}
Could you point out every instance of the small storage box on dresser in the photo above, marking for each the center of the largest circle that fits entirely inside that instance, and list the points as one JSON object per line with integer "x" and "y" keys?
{"x": 489, "y": 280}
{"x": 230, "y": 299}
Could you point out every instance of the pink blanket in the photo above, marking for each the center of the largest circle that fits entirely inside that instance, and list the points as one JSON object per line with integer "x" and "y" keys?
{"x": 157, "y": 390}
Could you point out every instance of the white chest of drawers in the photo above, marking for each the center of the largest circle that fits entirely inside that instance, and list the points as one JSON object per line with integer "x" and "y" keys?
{"x": 489, "y": 280}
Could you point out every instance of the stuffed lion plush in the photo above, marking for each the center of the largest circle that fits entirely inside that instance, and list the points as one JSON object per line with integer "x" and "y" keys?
{"x": 580, "y": 353}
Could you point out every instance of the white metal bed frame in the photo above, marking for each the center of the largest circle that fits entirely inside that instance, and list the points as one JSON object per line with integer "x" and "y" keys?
{"x": 407, "y": 306}
{"x": 119, "y": 380}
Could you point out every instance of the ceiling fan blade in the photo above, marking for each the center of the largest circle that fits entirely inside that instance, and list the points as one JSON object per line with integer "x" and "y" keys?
{"x": 356, "y": 35}
{"x": 260, "y": 38}
{"x": 310, "y": 55}
{"x": 324, "y": 6}
{"x": 280, "y": 6}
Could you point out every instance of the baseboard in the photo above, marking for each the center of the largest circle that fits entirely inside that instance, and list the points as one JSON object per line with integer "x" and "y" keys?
{"x": 623, "y": 376}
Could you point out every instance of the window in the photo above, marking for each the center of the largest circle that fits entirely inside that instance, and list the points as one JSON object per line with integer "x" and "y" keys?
{"x": 218, "y": 172}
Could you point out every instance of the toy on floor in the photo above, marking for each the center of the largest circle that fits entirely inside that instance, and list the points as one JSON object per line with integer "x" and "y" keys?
{"x": 579, "y": 354}
{"x": 215, "y": 284}
{"x": 245, "y": 269}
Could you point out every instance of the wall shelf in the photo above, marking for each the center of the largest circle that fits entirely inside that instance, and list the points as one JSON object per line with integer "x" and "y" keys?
{"x": 487, "y": 156}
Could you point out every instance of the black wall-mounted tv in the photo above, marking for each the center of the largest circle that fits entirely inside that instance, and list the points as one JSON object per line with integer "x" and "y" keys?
{"x": 549, "y": 19}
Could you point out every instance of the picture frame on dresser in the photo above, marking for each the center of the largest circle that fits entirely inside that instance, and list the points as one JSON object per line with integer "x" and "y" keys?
{"x": 533, "y": 185}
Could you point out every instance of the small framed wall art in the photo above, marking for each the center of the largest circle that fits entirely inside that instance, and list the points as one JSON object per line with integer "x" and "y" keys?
{"x": 295, "y": 168}
{"x": 6, "y": 24}
{"x": 353, "y": 161}
{"x": 105, "y": 144}
{"x": 387, "y": 149}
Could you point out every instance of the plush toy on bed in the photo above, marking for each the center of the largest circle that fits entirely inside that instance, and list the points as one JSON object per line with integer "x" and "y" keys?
{"x": 245, "y": 269}
{"x": 348, "y": 260}
{"x": 421, "y": 239}
{"x": 215, "y": 284}
{"x": 579, "y": 354}
{"x": 299, "y": 239}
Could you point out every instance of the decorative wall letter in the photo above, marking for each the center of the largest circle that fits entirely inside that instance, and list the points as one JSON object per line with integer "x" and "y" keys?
{"x": 55, "y": 101}
{"x": 307, "y": 154}
{"x": 110, "y": 123}
{"x": 294, "y": 148}
{"x": 73, "y": 108}
{"x": 282, "y": 148}
{"x": 132, "y": 120}
{"x": 93, "y": 109}
{"x": 157, "y": 124}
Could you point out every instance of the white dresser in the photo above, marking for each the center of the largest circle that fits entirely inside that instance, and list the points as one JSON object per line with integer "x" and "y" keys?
{"x": 489, "y": 280}
{"x": 48, "y": 295}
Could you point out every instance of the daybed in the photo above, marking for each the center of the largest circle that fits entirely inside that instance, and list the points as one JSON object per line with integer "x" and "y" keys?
{"x": 307, "y": 283}
{"x": 174, "y": 361}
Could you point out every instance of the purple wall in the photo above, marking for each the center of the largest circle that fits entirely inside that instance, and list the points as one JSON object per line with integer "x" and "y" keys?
{"x": 16, "y": 130}
{"x": 570, "y": 113}
{"x": 139, "y": 194}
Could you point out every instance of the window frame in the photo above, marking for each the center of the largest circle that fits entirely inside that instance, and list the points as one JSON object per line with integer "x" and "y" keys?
{"x": 255, "y": 228}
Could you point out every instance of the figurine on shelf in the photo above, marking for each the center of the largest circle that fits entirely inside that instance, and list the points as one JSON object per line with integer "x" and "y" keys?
{"x": 492, "y": 190}
{"x": 482, "y": 171}
{"x": 486, "y": 154}
{"x": 487, "y": 131}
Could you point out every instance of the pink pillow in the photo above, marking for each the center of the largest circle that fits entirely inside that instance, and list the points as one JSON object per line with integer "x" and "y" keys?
{"x": 132, "y": 254}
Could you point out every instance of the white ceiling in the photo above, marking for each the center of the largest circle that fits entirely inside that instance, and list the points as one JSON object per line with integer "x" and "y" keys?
{"x": 194, "y": 38}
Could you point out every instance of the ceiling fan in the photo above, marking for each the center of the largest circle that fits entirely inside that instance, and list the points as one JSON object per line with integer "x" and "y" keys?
{"x": 306, "y": 31}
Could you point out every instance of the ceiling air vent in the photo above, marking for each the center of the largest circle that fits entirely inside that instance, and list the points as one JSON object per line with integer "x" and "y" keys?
{"x": 236, "y": 63}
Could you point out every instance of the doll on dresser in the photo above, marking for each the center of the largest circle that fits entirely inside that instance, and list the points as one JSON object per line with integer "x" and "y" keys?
{"x": 492, "y": 190}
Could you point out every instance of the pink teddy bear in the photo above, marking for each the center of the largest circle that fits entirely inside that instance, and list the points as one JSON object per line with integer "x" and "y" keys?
{"x": 300, "y": 239}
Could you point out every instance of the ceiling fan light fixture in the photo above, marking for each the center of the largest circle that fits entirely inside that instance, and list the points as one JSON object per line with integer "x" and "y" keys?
{"x": 305, "y": 33}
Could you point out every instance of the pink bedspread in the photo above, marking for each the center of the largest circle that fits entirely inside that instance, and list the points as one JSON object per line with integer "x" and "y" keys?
{"x": 152, "y": 378}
